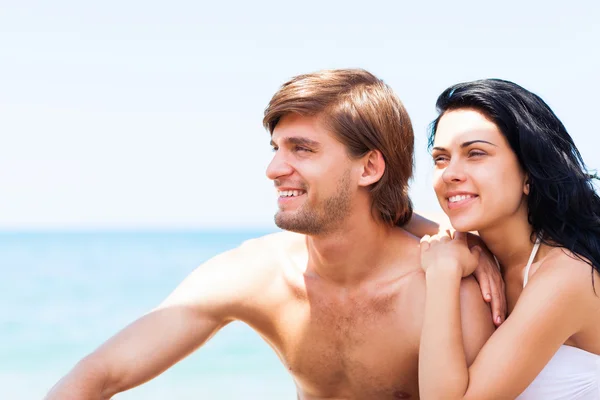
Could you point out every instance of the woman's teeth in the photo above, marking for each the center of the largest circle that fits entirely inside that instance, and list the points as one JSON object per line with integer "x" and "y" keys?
{"x": 460, "y": 197}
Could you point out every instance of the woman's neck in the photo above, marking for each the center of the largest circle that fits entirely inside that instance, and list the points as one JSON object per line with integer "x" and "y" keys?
{"x": 510, "y": 241}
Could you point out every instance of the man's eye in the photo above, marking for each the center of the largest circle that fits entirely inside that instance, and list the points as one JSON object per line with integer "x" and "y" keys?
{"x": 274, "y": 149}
{"x": 300, "y": 148}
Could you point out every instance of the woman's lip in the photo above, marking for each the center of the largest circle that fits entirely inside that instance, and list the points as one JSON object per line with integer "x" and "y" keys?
{"x": 459, "y": 193}
{"x": 452, "y": 205}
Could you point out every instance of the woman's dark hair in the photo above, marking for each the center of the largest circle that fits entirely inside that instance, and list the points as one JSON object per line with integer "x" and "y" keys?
{"x": 562, "y": 203}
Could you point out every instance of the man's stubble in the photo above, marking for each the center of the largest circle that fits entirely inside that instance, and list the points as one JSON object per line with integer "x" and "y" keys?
{"x": 325, "y": 217}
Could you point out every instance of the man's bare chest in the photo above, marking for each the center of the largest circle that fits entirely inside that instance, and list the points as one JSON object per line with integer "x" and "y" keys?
{"x": 350, "y": 347}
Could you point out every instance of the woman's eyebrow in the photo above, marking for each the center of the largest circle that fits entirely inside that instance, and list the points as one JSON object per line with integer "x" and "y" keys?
{"x": 470, "y": 142}
{"x": 466, "y": 144}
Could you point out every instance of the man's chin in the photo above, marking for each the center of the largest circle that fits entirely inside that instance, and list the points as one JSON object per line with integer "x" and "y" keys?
{"x": 287, "y": 225}
{"x": 293, "y": 223}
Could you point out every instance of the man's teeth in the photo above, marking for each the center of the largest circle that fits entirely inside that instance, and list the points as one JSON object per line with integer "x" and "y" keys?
{"x": 460, "y": 197}
{"x": 289, "y": 193}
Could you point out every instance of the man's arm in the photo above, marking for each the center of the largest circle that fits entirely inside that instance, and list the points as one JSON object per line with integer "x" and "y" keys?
{"x": 137, "y": 354}
{"x": 203, "y": 303}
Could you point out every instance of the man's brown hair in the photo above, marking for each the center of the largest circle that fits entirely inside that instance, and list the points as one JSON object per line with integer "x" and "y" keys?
{"x": 364, "y": 114}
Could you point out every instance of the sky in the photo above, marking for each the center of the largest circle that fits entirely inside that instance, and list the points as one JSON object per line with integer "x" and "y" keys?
{"x": 147, "y": 114}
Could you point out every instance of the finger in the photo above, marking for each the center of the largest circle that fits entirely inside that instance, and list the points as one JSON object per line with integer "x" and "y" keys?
{"x": 484, "y": 285}
{"x": 425, "y": 243}
{"x": 444, "y": 238}
{"x": 499, "y": 292}
{"x": 497, "y": 306}
{"x": 434, "y": 239}
{"x": 476, "y": 251}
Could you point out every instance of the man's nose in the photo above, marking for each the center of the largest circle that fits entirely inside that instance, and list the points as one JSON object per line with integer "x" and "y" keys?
{"x": 278, "y": 167}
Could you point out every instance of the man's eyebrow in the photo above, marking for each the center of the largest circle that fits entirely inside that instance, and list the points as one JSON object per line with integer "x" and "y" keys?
{"x": 299, "y": 141}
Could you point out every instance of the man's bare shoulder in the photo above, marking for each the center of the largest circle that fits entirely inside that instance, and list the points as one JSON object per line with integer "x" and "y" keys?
{"x": 272, "y": 251}
{"x": 278, "y": 240}
{"x": 414, "y": 279}
{"x": 259, "y": 256}
{"x": 407, "y": 254}
{"x": 260, "y": 252}
{"x": 232, "y": 277}
{"x": 470, "y": 293}
{"x": 408, "y": 275}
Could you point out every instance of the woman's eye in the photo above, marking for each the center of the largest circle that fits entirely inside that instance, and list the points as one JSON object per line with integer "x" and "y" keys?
{"x": 439, "y": 159}
{"x": 476, "y": 153}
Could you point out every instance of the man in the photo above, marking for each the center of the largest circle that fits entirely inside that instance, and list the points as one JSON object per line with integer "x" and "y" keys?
{"x": 339, "y": 296}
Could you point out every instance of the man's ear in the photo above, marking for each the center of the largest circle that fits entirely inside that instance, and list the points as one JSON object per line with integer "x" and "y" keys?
{"x": 373, "y": 167}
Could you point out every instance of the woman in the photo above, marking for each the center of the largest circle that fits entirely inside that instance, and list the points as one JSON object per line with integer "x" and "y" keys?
{"x": 506, "y": 167}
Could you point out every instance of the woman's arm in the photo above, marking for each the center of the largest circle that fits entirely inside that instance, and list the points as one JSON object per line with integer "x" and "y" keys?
{"x": 487, "y": 273}
{"x": 421, "y": 224}
{"x": 547, "y": 314}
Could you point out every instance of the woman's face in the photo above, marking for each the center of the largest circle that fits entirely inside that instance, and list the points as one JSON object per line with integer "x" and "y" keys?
{"x": 477, "y": 177}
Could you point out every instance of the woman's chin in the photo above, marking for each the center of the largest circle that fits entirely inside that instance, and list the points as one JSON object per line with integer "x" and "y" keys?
{"x": 464, "y": 224}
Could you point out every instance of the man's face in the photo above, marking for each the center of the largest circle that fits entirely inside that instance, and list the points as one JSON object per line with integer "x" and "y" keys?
{"x": 312, "y": 174}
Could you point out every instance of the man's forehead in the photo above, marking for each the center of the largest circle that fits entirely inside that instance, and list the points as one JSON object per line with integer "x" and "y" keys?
{"x": 299, "y": 126}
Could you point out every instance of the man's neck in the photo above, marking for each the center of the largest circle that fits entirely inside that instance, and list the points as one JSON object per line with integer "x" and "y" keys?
{"x": 352, "y": 253}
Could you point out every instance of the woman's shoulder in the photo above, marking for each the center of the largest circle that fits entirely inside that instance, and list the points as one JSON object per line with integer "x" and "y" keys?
{"x": 566, "y": 273}
{"x": 559, "y": 296}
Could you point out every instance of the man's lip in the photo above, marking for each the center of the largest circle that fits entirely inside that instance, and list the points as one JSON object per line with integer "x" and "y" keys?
{"x": 282, "y": 188}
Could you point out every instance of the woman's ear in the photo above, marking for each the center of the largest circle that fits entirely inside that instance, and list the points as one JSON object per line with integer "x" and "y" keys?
{"x": 526, "y": 185}
{"x": 373, "y": 167}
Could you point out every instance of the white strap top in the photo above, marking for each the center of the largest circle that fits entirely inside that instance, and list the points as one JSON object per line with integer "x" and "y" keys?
{"x": 536, "y": 247}
{"x": 572, "y": 374}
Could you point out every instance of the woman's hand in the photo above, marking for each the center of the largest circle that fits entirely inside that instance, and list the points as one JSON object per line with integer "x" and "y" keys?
{"x": 444, "y": 252}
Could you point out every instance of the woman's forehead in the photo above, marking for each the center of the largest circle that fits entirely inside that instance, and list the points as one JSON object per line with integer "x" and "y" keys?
{"x": 462, "y": 125}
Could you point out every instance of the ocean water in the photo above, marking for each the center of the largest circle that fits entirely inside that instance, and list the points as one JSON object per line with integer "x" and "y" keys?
{"x": 63, "y": 294}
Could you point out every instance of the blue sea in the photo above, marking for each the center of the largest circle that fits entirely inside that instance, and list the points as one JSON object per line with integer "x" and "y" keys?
{"x": 63, "y": 294}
